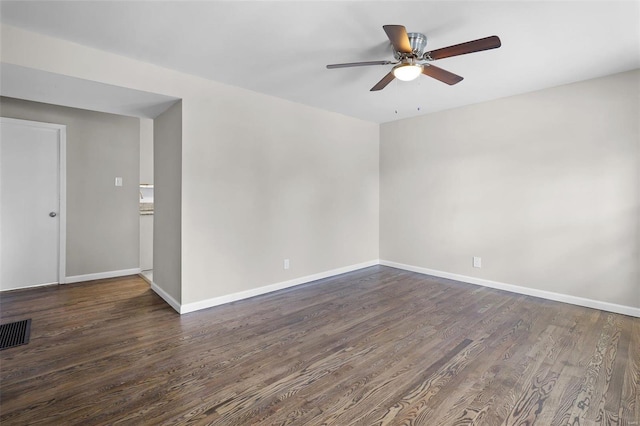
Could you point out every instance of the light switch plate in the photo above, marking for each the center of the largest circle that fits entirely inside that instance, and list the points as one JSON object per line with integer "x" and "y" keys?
{"x": 118, "y": 181}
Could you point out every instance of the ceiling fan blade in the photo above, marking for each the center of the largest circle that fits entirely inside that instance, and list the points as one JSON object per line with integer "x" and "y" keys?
{"x": 486, "y": 43}
{"x": 398, "y": 37}
{"x": 440, "y": 74}
{"x": 359, "y": 64}
{"x": 383, "y": 83}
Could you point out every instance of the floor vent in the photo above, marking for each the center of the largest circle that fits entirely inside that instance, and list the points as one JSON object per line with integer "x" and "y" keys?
{"x": 14, "y": 334}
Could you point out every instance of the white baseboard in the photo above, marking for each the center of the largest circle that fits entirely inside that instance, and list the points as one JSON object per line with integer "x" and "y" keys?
{"x": 28, "y": 286}
{"x": 166, "y": 296}
{"x": 101, "y": 275}
{"x": 558, "y": 297}
{"x": 141, "y": 275}
{"x": 228, "y": 298}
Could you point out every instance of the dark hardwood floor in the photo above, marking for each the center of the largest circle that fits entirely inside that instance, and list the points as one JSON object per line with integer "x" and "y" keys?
{"x": 375, "y": 346}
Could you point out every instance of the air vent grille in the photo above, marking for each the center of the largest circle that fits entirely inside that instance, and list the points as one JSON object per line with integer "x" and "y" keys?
{"x": 14, "y": 334}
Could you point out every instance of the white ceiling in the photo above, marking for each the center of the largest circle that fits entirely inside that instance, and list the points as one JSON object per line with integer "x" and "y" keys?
{"x": 281, "y": 48}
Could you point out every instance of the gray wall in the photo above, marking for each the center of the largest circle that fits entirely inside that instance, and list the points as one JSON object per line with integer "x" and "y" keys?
{"x": 543, "y": 186}
{"x": 146, "y": 150}
{"x": 262, "y": 178}
{"x": 102, "y": 220}
{"x": 167, "y": 227}
{"x": 266, "y": 180}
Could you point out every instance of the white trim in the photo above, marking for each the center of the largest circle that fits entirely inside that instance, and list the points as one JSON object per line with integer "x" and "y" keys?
{"x": 166, "y": 296}
{"x": 62, "y": 189}
{"x": 144, "y": 277}
{"x": 228, "y": 298}
{"x": 62, "y": 193}
{"x": 102, "y": 275}
{"x": 31, "y": 123}
{"x": 558, "y": 297}
{"x": 27, "y": 286}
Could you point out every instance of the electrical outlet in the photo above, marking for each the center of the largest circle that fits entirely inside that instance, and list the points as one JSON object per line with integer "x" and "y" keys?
{"x": 286, "y": 264}
{"x": 477, "y": 262}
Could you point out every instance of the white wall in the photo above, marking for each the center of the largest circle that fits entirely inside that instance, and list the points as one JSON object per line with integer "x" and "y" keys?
{"x": 261, "y": 177}
{"x": 102, "y": 219}
{"x": 544, "y": 186}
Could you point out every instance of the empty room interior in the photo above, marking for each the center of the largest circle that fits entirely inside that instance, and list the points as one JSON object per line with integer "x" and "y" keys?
{"x": 320, "y": 213}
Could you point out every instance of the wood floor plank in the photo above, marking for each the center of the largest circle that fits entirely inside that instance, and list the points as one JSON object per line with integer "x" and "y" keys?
{"x": 630, "y": 399}
{"x": 375, "y": 346}
{"x": 478, "y": 389}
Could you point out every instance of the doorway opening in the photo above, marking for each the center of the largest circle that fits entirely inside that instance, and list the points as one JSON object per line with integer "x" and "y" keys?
{"x": 146, "y": 199}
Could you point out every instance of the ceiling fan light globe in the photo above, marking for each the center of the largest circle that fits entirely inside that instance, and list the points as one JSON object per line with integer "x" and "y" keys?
{"x": 407, "y": 72}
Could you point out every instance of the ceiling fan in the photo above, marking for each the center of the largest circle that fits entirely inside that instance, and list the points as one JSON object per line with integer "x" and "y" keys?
{"x": 412, "y": 60}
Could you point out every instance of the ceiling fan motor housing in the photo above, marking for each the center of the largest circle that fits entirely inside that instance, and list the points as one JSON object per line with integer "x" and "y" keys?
{"x": 417, "y": 41}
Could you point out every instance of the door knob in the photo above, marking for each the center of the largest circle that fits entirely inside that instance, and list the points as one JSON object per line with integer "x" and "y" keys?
{"x": 53, "y": 214}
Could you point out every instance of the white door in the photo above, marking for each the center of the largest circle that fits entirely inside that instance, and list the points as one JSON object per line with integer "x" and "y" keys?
{"x": 30, "y": 207}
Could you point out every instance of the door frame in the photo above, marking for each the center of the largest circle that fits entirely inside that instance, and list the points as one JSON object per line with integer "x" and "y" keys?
{"x": 62, "y": 186}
